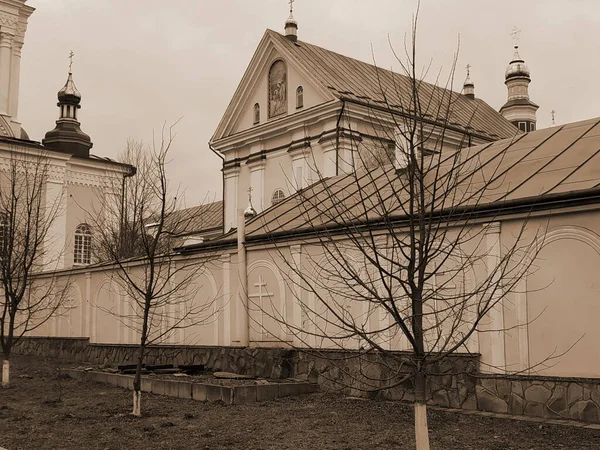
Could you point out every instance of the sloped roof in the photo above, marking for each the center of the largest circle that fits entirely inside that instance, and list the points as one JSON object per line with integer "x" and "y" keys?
{"x": 197, "y": 219}
{"x": 531, "y": 168}
{"x": 359, "y": 81}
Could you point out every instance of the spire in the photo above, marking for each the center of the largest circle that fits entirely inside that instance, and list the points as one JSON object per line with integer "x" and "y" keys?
{"x": 469, "y": 86}
{"x": 518, "y": 109}
{"x": 67, "y": 136}
{"x": 291, "y": 26}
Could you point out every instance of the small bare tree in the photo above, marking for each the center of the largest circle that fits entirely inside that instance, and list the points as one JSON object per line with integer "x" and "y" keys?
{"x": 137, "y": 229}
{"x": 398, "y": 253}
{"x": 28, "y": 211}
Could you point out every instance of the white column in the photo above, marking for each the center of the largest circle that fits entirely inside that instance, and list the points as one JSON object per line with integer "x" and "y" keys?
{"x": 257, "y": 183}
{"x": 15, "y": 75}
{"x": 328, "y": 146}
{"x": 522, "y": 324}
{"x": 6, "y": 40}
{"x": 226, "y": 299}
{"x": 87, "y": 310}
{"x": 230, "y": 196}
{"x": 296, "y": 288}
{"x": 497, "y": 358}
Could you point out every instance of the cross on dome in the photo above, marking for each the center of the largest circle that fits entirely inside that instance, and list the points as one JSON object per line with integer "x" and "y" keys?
{"x": 71, "y": 60}
{"x": 516, "y": 34}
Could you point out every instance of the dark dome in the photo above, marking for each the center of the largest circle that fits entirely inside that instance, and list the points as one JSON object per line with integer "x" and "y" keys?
{"x": 69, "y": 93}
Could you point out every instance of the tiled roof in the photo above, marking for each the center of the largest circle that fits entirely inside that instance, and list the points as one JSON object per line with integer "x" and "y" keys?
{"x": 359, "y": 81}
{"x": 529, "y": 168}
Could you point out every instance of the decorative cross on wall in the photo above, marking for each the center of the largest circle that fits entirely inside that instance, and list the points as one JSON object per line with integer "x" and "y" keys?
{"x": 262, "y": 292}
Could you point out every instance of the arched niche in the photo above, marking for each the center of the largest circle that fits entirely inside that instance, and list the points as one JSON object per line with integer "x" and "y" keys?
{"x": 562, "y": 304}
{"x": 201, "y": 325}
{"x": 266, "y": 303}
{"x": 278, "y": 89}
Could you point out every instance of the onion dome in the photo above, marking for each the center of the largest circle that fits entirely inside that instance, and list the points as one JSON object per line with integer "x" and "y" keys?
{"x": 67, "y": 136}
{"x": 291, "y": 26}
{"x": 249, "y": 212}
{"x": 517, "y": 67}
{"x": 469, "y": 86}
{"x": 69, "y": 93}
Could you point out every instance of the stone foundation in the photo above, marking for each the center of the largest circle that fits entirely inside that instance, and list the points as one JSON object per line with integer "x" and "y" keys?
{"x": 455, "y": 382}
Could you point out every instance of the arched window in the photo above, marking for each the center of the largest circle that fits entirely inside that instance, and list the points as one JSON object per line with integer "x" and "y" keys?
{"x": 256, "y": 113}
{"x": 299, "y": 97}
{"x": 278, "y": 196}
{"x": 82, "y": 252}
{"x": 277, "y": 89}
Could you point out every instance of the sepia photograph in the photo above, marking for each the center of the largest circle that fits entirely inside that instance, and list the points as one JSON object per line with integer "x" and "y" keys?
{"x": 299, "y": 224}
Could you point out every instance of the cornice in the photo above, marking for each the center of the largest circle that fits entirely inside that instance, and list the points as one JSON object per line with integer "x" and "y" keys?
{"x": 279, "y": 126}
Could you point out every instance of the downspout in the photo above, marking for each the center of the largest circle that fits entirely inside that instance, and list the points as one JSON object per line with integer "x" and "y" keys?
{"x": 130, "y": 173}
{"x": 337, "y": 138}
{"x": 220, "y": 155}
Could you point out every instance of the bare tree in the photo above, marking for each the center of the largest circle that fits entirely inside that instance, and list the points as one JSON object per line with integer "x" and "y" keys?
{"x": 137, "y": 228}
{"x": 398, "y": 252}
{"x": 28, "y": 211}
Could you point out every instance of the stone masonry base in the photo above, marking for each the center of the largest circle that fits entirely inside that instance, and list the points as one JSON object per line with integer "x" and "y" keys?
{"x": 456, "y": 383}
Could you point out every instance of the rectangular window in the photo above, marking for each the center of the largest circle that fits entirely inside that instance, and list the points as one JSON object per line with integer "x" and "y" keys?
{"x": 523, "y": 126}
{"x": 82, "y": 250}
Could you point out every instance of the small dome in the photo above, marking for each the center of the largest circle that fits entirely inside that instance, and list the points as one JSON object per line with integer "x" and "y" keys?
{"x": 69, "y": 93}
{"x": 249, "y": 212}
{"x": 517, "y": 67}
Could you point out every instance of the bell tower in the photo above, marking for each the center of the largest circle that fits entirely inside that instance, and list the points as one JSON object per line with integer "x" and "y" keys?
{"x": 13, "y": 24}
{"x": 519, "y": 109}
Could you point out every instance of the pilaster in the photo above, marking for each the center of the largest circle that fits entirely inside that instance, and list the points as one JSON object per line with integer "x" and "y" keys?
{"x": 231, "y": 177}
{"x": 497, "y": 357}
{"x": 6, "y": 41}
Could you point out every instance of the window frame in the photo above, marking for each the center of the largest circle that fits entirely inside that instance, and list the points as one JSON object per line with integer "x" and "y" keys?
{"x": 82, "y": 245}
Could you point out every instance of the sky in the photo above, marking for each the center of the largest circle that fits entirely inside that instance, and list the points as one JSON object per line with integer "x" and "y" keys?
{"x": 140, "y": 64}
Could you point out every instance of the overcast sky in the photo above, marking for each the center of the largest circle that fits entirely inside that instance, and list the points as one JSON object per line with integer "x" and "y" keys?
{"x": 140, "y": 63}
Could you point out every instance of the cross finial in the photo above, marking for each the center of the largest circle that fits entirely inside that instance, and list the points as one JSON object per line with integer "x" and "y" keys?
{"x": 553, "y": 112}
{"x": 71, "y": 60}
{"x": 291, "y": 2}
{"x": 515, "y": 33}
{"x": 468, "y": 69}
{"x": 250, "y": 194}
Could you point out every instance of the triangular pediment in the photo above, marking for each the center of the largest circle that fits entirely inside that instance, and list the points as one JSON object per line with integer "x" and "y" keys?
{"x": 254, "y": 89}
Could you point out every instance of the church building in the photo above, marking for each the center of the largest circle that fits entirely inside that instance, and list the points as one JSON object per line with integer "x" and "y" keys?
{"x": 301, "y": 123}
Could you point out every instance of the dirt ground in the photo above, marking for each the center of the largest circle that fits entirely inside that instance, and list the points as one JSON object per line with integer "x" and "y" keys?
{"x": 45, "y": 412}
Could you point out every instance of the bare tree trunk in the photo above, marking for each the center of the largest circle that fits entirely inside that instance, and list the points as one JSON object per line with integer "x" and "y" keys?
{"x": 137, "y": 381}
{"x": 421, "y": 429}
{"x": 5, "y": 372}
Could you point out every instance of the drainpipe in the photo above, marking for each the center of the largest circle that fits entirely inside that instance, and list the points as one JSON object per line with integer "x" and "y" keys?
{"x": 220, "y": 155}
{"x": 337, "y": 138}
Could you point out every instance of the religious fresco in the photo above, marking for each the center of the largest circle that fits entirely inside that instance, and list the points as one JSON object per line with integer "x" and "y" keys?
{"x": 277, "y": 89}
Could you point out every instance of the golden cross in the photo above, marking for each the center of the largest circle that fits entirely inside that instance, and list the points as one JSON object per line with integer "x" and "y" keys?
{"x": 71, "y": 60}
{"x": 515, "y": 33}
